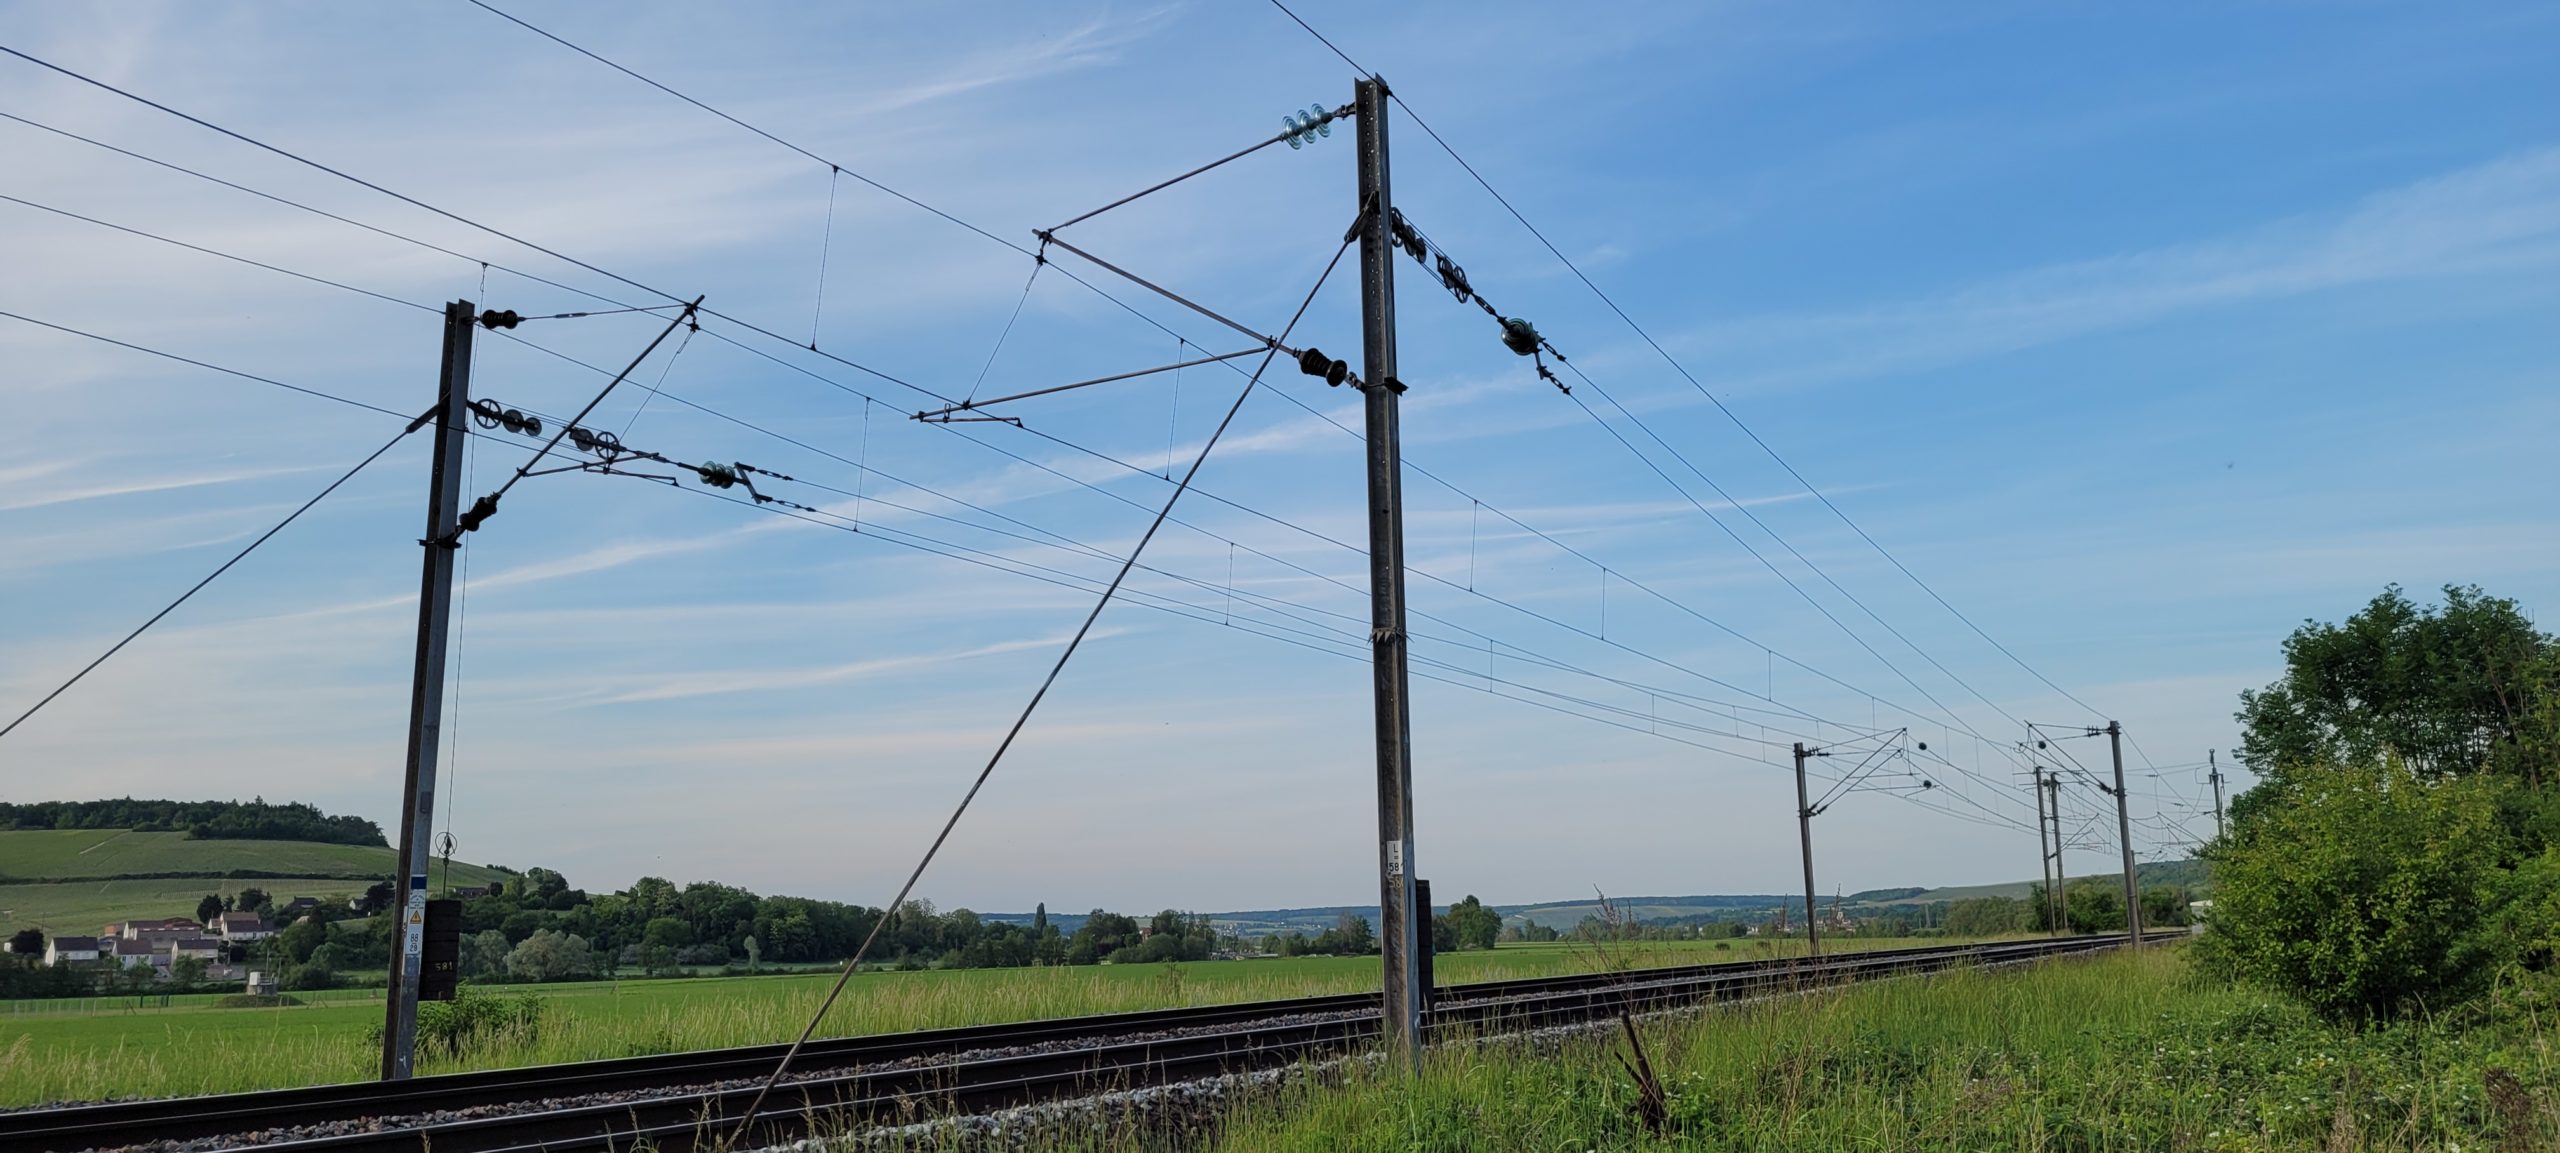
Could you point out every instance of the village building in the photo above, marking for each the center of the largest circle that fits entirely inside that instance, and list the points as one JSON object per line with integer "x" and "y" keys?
{"x": 240, "y": 927}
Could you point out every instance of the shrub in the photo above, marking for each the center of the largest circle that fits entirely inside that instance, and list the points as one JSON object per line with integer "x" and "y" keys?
{"x": 2094, "y": 906}
{"x": 473, "y": 1019}
{"x": 2366, "y": 894}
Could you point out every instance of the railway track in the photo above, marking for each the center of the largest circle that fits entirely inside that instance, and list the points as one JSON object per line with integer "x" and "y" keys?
{"x": 680, "y": 1100}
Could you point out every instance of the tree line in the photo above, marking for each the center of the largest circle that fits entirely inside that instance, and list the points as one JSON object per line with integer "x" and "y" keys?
{"x": 253, "y": 820}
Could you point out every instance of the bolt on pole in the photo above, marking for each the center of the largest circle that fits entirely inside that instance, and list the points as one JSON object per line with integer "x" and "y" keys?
{"x": 2124, "y": 832}
{"x": 426, "y": 696}
{"x": 1804, "y": 833}
{"x": 1400, "y": 936}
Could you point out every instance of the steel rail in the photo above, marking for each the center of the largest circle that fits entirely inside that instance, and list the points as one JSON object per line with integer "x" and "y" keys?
{"x": 1127, "y": 1052}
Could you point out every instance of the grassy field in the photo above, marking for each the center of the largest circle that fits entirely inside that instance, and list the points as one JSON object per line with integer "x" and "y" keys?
{"x": 122, "y": 852}
{"x": 81, "y": 906}
{"x": 67, "y": 1052}
{"x": 2121, "y": 1053}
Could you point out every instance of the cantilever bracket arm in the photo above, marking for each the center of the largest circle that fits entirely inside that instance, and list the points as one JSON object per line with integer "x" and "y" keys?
{"x": 945, "y": 411}
{"x": 1167, "y": 293}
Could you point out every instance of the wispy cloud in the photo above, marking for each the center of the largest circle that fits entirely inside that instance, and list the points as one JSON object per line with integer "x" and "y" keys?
{"x": 2501, "y": 216}
{"x": 703, "y": 684}
{"x": 132, "y": 486}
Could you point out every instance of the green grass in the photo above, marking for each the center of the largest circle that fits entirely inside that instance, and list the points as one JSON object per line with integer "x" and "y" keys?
{"x": 2122, "y": 1053}
{"x": 65, "y": 1051}
{"x": 79, "y": 907}
{"x": 65, "y": 853}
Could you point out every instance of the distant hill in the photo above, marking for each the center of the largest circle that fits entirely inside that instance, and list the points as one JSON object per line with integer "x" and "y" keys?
{"x": 2190, "y": 874}
{"x": 1557, "y": 914}
{"x": 1745, "y": 907}
{"x": 75, "y": 880}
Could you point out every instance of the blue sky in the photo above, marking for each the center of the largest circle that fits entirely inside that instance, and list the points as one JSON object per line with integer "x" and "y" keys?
{"x": 2140, "y": 337}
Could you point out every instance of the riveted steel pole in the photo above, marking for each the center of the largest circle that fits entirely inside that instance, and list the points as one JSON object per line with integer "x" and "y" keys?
{"x": 2216, "y": 774}
{"x": 426, "y": 697}
{"x": 2044, "y": 849}
{"x": 2124, "y": 833}
{"x": 1400, "y": 935}
{"x": 2061, "y": 909}
{"x": 1804, "y": 833}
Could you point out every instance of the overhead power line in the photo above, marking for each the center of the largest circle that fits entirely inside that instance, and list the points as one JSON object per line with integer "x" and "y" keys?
{"x": 836, "y": 166}
{"x": 1018, "y": 458}
{"x": 891, "y": 910}
{"x": 224, "y": 567}
{"x": 1276, "y": 604}
{"x": 1685, "y": 374}
{"x": 743, "y": 324}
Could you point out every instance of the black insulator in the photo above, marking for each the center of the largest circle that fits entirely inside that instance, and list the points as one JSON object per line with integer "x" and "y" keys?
{"x": 1314, "y": 362}
{"x": 1336, "y": 373}
{"x": 1455, "y": 279}
{"x": 1406, "y": 234}
{"x": 487, "y": 413}
{"x": 1519, "y": 336}
{"x": 496, "y": 319}
{"x": 481, "y": 510}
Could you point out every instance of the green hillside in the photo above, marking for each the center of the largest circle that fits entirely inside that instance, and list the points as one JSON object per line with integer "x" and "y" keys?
{"x": 74, "y": 880}
{"x": 2191, "y": 874}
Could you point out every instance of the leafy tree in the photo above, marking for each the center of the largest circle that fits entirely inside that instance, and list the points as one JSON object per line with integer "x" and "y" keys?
{"x": 1102, "y": 934}
{"x": 523, "y": 923}
{"x": 667, "y": 932}
{"x": 251, "y": 901}
{"x": 186, "y": 972}
{"x": 2365, "y": 895}
{"x": 316, "y": 974}
{"x": 26, "y": 942}
{"x": 2449, "y": 691}
{"x": 484, "y": 954}
{"x": 377, "y": 897}
{"x": 1986, "y": 916}
{"x": 1444, "y": 939}
{"x": 2090, "y": 905}
{"x": 208, "y": 908}
{"x": 1472, "y": 926}
{"x": 2164, "y": 906}
{"x": 300, "y": 939}
{"x": 549, "y": 955}
{"x": 543, "y": 884}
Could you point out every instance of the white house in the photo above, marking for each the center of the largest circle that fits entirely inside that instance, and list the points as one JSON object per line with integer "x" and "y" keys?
{"x": 241, "y": 927}
{"x": 71, "y": 950}
{"x": 128, "y": 952}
